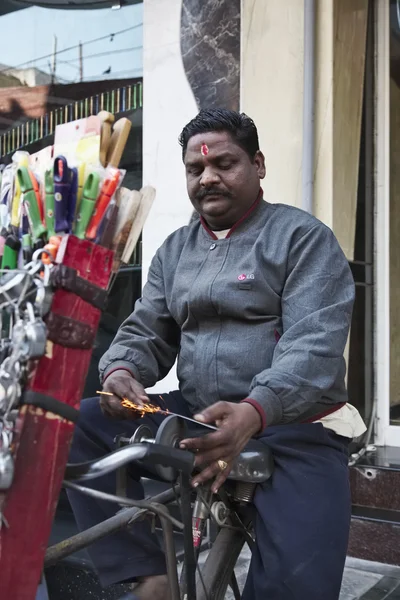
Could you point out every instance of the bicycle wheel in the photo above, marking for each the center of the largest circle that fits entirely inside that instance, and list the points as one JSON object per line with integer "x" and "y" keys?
{"x": 220, "y": 563}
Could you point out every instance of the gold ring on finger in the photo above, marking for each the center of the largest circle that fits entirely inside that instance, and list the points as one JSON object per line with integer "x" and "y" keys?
{"x": 222, "y": 465}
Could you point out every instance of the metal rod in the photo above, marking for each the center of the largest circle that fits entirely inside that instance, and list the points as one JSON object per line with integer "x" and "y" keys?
{"x": 170, "y": 556}
{"x": 160, "y": 411}
{"x": 189, "y": 586}
{"x": 106, "y": 464}
{"x": 99, "y": 495}
{"x": 190, "y": 420}
{"x": 97, "y": 532}
{"x": 90, "y": 536}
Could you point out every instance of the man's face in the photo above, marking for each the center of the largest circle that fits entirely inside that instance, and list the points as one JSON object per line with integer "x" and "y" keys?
{"x": 222, "y": 181}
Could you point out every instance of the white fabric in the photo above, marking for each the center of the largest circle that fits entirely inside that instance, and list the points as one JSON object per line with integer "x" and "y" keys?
{"x": 221, "y": 234}
{"x": 346, "y": 421}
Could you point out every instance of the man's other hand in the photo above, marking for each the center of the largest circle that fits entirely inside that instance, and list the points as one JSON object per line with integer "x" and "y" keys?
{"x": 237, "y": 423}
{"x": 122, "y": 385}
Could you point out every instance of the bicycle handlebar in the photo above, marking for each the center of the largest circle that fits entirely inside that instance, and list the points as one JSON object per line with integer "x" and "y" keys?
{"x": 181, "y": 460}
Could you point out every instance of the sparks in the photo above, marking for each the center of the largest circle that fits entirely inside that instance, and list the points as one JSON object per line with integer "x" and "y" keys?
{"x": 142, "y": 409}
{"x": 149, "y": 409}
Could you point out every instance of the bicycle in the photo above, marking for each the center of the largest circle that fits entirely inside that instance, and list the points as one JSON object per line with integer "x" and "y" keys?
{"x": 230, "y": 509}
{"x": 25, "y": 299}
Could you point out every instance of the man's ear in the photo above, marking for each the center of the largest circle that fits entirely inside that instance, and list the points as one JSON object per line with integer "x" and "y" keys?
{"x": 259, "y": 161}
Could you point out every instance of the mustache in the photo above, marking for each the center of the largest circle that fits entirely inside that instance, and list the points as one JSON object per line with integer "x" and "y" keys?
{"x": 211, "y": 192}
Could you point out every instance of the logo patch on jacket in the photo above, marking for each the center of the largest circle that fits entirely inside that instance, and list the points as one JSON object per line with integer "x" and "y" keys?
{"x": 244, "y": 277}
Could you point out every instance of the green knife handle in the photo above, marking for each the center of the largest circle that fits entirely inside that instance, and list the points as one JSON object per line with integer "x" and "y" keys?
{"x": 83, "y": 217}
{"x": 32, "y": 210}
{"x": 87, "y": 205}
{"x": 10, "y": 255}
{"x": 49, "y": 202}
{"x": 30, "y": 201}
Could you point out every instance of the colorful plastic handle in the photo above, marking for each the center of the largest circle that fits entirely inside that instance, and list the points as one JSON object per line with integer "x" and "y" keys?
{"x": 62, "y": 184}
{"x": 10, "y": 255}
{"x": 73, "y": 197}
{"x": 107, "y": 191}
{"x": 36, "y": 189}
{"x": 88, "y": 202}
{"x": 49, "y": 201}
{"x": 81, "y": 181}
{"x": 27, "y": 248}
{"x": 15, "y": 207}
{"x": 30, "y": 202}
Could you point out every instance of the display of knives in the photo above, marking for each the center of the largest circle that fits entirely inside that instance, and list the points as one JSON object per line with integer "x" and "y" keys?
{"x": 48, "y": 195}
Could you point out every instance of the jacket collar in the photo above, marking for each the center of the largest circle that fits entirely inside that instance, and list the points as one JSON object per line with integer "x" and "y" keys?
{"x": 238, "y": 223}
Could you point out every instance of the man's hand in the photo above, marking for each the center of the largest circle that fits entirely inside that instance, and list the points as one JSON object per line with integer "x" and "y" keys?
{"x": 123, "y": 385}
{"x": 237, "y": 423}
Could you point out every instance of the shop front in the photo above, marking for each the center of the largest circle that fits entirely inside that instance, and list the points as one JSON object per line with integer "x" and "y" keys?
{"x": 322, "y": 81}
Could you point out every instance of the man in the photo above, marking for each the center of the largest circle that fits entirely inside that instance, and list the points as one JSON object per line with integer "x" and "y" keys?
{"x": 255, "y": 300}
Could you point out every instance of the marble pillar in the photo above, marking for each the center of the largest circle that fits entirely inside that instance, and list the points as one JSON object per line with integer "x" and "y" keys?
{"x": 210, "y": 46}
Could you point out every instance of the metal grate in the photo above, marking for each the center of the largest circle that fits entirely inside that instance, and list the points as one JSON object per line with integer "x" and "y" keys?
{"x": 114, "y": 101}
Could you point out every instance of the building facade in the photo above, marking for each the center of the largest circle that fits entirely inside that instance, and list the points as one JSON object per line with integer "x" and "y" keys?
{"x": 321, "y": 79}
{"x": 325, "y": 107}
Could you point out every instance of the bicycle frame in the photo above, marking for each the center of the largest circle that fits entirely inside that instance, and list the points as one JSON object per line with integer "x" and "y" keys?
{"x": 176, "y": 463}
{"x": 125, "y": 518}
{"x": 134, "y": 511}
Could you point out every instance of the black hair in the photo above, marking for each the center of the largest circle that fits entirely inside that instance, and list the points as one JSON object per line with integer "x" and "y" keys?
{"x": 238, "y": 125}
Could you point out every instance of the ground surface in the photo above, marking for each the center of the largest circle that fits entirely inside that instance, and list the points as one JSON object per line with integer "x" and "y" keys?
{"x": 361, "y": 581}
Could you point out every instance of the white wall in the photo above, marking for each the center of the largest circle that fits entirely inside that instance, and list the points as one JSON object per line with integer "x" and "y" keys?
{"x": 272, "y": 90}
{"x": 340, "y": 63}
{"x": 167, "y": 106}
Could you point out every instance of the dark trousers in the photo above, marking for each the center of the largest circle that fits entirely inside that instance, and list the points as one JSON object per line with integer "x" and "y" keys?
{"x": 303, "y": 511}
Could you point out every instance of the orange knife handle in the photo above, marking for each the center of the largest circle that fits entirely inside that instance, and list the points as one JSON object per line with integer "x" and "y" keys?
{"x": 97, "y": 216}
{"x": 107, "y": 191}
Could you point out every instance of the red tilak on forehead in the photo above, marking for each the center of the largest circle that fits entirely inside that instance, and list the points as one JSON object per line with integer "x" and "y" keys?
{"x": 204, "y": 149}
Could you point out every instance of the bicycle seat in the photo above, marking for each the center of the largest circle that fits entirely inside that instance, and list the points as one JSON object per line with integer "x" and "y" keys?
{"x": 254, "y": 464}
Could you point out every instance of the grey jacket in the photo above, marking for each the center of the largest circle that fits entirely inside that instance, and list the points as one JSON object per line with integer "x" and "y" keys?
{"x": 263, "y": 314}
